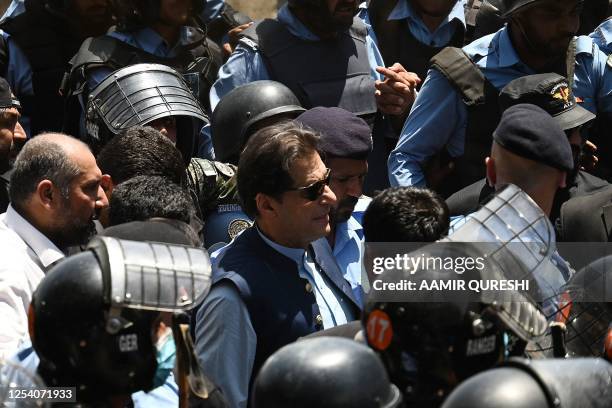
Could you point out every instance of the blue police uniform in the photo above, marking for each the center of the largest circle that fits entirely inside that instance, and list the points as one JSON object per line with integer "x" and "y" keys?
{"x": 602, "y": 36}
{"x": 247, "y": 65}
{"x": 348, "y": 249}
{"x": 438, "y": 118}
{"x": 245, "y": 318}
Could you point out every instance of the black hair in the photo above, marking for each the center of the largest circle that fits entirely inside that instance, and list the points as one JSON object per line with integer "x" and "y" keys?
{"x": 406, "y": 214}
{"x": 144, "y": 197}
{"x": 141, "y": 151}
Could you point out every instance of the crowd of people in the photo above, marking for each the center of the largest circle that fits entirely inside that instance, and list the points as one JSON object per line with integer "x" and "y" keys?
{"x": 191, "y": 201}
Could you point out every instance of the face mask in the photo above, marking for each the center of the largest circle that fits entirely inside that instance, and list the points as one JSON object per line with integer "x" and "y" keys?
{"x": 165, "y": 356}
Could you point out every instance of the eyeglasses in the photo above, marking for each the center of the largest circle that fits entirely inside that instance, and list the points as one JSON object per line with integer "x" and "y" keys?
{"x": 315, "y": 190}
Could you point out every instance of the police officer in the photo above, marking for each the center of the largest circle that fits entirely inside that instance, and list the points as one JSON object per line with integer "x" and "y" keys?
{"x": 36, "y": 47}
{"x": 324, "y": 372}
{"x": 457, "y": 107}
{"x": 346, "y": 142}
{"x": 550, "y": 92}
{"x": 95, "y": 333}
{"x": 287, "y": 50}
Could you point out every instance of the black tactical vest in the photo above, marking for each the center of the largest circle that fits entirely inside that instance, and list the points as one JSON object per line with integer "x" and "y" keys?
{"x": 397, "y": 44}
{"x": 320, "y": 73}
{"x": 199, "y": 63}
{"x": 48, "y": 42}
{"x": 481, "y": 100}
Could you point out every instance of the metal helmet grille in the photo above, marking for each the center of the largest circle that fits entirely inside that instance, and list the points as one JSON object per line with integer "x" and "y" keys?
{"x": 139, "y": 94}
{"x": 155, "y": 276}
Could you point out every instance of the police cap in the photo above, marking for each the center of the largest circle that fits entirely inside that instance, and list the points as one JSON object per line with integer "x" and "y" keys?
{"x": 550, "y": 92}
{"x": 343, "y": 134}
{"x": 530, "y": 132}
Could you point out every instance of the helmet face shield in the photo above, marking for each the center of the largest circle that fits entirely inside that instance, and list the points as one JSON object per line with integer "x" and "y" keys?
{"x": 154, "y": 276}
{"x": 138, "y": 95}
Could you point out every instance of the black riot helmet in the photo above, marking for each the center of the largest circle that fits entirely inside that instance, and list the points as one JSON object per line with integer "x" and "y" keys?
{"x": 324, "y": 372}
{"x": 244, "y": 110}
{"x": 134, "y": 14}
{"x": 431, "y": 340}
{"x": 93, "y": 316}
{"x": 138, "y": 95}
{"x": 550, "y": 383}
{"x": 513, "y": 6}
{"x": 584, "y": 309}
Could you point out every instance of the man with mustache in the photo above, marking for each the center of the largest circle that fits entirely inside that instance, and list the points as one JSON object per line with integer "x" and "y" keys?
{"x": 448, "y": 132}
{"x": 55, "y": 195}
{"x": 268, "y": 287}
{"x": 346, "y": 141}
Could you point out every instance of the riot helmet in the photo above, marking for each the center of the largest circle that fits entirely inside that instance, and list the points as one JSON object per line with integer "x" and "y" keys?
{"x": 246, "y": 109}
{"x": 583, "y": 307}
{"x": 93, "y": 316}
{"x": 140, "y": 95}
{"x": 325, "y": 372}
{"x": 521, "y": 383}
{"x": 513, "y": 6}
{"x": 431, "y": 341}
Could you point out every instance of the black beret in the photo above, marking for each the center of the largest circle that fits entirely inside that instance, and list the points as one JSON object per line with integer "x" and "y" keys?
{"x": 7, "y": 100}
{"x": 528, "y": 131}
{"x": 343, "y": 134}
{"x": 550, "y": 92}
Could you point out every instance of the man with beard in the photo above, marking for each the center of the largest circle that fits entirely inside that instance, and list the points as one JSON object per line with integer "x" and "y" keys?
{"x": 323, "y": 53}
{"x": 448, "y": 132}
{"x": 346, "y": 141}
{"x": 55, "y": 194}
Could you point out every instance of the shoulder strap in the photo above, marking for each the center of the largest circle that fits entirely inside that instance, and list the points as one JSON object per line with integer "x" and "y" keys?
{"x": 462, "y": 73}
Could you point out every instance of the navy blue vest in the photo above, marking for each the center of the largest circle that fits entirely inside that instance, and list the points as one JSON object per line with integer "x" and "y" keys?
{"x": 280, "y": 306}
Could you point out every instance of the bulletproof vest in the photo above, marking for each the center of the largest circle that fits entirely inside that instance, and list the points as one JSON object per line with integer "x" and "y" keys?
{"x": 481, "y": 100}
{"x": 333, "y": 72}
{"x": 281, "y": 305}
{"x": 48, "y": 42}
{"x": 197, "y": 62}
{"x": 397, "y": 44}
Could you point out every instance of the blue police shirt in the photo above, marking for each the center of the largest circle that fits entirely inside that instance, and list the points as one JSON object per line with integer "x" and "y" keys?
{"x": 348, "y": 249}
{"x": 439, "y": 38}
{"x": 438, "y": 117}
{"x": 602, "y": 36}
{"x": 246, "y": 65}
{"x": 225, "y": 339}
{"x": 150, "y": 41}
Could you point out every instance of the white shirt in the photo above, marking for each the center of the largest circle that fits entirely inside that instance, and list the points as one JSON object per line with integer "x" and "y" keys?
{"x": 25, "y": 254}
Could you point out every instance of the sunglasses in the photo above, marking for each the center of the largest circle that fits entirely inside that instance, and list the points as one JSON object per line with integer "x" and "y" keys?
{"x": 315, "y": 190}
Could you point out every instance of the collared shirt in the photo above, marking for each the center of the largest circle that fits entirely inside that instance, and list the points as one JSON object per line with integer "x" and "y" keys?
{"x": 246, "y": 65}
{"x": 348, "y": 249}
{"x": 228, "y": 357}
{"x": 150, "y": 41}
{"x": 438, "y": 118}
{"x": 442, "y": 35}
{"x": 602, "y": 36}
{"x": 26, "y": 254}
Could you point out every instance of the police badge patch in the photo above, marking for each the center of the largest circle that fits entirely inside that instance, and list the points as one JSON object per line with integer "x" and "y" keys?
{"x": 236, "y": 226}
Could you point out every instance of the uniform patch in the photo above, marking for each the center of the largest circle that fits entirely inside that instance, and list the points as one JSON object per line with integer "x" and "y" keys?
{"x": 237, "y": 226}
{"x": 128, "y": 343}
{"x": 224, "y": 169}
{"x": 562, "y": 92}
{"x": 379, "y": 330}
